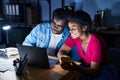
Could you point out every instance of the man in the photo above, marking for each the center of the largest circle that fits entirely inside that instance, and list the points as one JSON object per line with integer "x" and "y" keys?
{"x": 50, "y": 35}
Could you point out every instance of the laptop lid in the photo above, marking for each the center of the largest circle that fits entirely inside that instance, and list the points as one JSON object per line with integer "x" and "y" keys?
{"x": 36, "y": 56}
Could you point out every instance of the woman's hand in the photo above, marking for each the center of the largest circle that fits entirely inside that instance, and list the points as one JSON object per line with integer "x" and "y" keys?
{"x": 67, "y": 66}
{"x": 72, "y": 66}
{"x": 64, "y": 50}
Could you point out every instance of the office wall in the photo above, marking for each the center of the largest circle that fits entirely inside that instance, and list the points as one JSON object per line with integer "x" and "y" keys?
{"x": 40, "y": 11}
{"x": 0, "y": 7}
{"x": 113, "y": 5}
{"x": 87, "y": 5}
{"x": 46, "y": 10}
{"x": 46, "y": 15}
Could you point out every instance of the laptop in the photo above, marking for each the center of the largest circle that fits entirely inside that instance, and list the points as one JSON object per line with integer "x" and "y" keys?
{"x": 36, "y": 56}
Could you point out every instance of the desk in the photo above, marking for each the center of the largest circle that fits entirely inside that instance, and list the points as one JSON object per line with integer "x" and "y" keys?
{"x": 6, "y": 65}
{"x": 33, "y": 73}
{"x": 36, "y": 73}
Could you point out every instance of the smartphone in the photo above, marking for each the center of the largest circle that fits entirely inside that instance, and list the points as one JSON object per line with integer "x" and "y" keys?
{"x": 65, "y": 59}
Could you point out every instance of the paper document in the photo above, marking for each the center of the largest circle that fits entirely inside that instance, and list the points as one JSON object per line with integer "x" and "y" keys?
{"x": 8, "y": 51}
{"x": 6, "y": 65}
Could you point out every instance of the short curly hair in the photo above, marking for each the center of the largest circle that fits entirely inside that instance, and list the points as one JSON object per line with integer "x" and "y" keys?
{"x": 59, "y": 13}
{"x": 82, "y": 18}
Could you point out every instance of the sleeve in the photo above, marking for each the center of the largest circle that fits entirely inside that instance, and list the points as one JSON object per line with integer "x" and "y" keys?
{"x": 96, "y": 51}
{"x": 31, "y": 38}
{"x": 70, "y": 42}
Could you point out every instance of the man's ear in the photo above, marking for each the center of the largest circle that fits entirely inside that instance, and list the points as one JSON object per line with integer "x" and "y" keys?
{"x": 84, "y": 28}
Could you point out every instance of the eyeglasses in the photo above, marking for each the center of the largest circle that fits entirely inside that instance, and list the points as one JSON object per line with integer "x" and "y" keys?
{"x": 57, "y": 26}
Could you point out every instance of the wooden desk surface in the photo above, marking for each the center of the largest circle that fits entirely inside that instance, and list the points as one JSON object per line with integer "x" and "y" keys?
{"x": 33, "y": 73}
{"x": 36, "y": 73}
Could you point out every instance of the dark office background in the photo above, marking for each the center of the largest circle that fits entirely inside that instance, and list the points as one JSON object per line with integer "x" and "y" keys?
{"x": 41, "y": 10}
{"x": 32, "y": 12}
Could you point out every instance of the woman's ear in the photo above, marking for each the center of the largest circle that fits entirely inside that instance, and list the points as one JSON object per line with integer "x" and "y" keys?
{"x": 84, "y": 28}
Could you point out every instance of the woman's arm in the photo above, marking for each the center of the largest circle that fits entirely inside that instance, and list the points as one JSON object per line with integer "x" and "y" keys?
{"x": 64, "y": 50}
{"x": 93, "y": 70}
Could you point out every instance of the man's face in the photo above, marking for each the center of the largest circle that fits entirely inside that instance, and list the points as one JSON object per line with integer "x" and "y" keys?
{"x": 58, "y": 26}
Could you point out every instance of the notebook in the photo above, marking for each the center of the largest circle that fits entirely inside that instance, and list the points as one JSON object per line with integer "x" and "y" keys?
{"x": 36, "y": 56}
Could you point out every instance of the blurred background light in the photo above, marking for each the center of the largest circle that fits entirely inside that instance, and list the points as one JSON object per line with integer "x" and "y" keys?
{"x": 7, "y": 27}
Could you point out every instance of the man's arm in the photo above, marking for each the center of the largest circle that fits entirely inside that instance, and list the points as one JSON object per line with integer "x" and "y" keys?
{"x": 31, "y": 38}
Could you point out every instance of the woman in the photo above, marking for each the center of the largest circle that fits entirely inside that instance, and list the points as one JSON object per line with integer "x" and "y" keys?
{"x": 92, "y": 50}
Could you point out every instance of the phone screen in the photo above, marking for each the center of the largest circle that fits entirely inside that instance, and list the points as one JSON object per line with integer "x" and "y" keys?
{"x": 65, "y": 59}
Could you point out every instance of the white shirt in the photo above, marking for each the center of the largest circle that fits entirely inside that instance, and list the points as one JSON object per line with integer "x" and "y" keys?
{"x": 55, "y": 38}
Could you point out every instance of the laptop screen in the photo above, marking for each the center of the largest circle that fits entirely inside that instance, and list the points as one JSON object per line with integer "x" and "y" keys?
{"x": 36, "y": 56}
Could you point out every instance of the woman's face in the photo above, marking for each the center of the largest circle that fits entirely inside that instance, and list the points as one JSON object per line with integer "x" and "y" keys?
{"x": 75, "y": 30}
